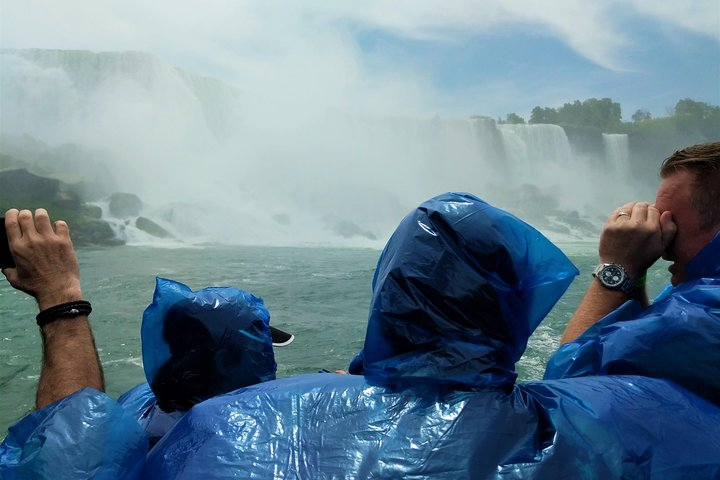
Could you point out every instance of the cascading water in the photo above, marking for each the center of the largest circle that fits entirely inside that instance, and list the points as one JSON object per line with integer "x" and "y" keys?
{"x": 212, "y": 163}
{"x": 617, "y": 152}
{"x": 536, "y": 152}
{"x": 540, "y": 143}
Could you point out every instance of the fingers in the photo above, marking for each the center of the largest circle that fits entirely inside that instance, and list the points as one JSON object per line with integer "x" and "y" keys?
{"x": 42, "y": 222}
{"x": 632, "y": 237}
{"x": 10, "y": 274}
{"x": 46, "y": 266}
{"x": 653, "y": 214}
{"x": 27, "y": 224}
{"x": 11, "y": 224}
{"x": 62, "y": 229}
{"x": 639, "y": 212}
{"x": 12, "y": 230}
{"x": 622, "y": 211}
{"x": 22, "y": 223}
{"x": 636, "y": 212}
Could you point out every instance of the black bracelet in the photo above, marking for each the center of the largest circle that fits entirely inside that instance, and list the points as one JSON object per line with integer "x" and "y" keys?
{"x": 64, "y": 310}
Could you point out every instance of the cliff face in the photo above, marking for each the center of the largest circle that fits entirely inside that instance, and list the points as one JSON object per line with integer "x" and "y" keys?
{"x": 23, "y": 190}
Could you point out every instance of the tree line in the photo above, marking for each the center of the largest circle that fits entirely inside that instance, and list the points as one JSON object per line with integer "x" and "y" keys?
{"x": 687, "y": 118}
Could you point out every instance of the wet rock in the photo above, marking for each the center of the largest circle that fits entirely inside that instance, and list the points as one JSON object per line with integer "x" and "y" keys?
{"x": 20, "y": 184}
{"x": 93, "y": 232}
{"x": 346, "y": 228}
{"x": 152, "y": 228}
{"x": 124, "y": 205}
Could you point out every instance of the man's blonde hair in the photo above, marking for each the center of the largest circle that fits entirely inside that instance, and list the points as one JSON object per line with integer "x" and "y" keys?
{"x": 703, "y": 161}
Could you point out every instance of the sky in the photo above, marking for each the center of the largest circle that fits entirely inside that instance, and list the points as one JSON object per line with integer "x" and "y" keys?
{"x": 410, "y": 57}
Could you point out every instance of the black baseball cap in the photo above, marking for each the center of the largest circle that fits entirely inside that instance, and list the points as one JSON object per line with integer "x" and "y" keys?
{"x": 280, "y": 338}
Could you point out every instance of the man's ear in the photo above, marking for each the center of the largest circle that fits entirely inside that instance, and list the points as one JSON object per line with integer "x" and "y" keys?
{"x": 668, "y": 228}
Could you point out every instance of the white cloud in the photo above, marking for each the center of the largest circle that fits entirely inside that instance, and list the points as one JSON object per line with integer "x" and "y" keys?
{"x": 593, "y": 29}
{"x": 305, "y": 52}
{"x": 215, "y": 28}
{"x": 700, "y": 16}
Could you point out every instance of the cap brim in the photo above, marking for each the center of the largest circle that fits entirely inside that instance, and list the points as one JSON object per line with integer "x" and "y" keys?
{"x": 280, "y": 338}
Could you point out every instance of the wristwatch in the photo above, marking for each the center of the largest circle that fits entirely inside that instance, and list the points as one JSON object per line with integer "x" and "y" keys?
{"x": 614, "y": 277}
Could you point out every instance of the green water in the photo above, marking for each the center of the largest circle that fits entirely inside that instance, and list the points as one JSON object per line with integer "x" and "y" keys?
{"x": 319, "y": 294}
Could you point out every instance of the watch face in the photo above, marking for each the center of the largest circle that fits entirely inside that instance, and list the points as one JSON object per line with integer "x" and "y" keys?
{"x": 611, "y": 275}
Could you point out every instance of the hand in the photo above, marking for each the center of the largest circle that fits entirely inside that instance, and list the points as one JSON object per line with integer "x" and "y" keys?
{"x": 669, "y": 230}
{"x": 46, "y": 266}
{"x": 635, "y": 237}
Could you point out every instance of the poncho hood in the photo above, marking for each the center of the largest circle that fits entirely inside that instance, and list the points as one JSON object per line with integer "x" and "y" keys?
{"x": 197, "y": 344}
{"x": 458, "y": 290}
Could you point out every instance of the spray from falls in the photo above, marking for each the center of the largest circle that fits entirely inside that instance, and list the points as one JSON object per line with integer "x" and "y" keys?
{"x": 212, "y": 163}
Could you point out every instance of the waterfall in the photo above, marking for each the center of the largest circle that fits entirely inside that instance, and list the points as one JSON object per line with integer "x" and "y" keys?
{"x": 60, "y": 94}
{"x": 617, "y": 152}
{"x": 213, "y": 163}
{"x": 533, "y": 144}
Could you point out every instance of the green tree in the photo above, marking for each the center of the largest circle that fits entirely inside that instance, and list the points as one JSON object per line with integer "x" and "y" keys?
{"x": 641, "y": 115}
{"x": 514, "y": 118}
{"x": 571, "y": 114}
{"x": 691, "y": 116}
{"x": 543, "y": 115}
{"x": 603, "y": 114}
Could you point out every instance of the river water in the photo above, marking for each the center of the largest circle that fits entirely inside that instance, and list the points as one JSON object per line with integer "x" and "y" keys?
{"x": 321, "y": 295}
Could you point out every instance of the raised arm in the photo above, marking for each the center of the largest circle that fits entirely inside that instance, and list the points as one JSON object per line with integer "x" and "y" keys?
{"x": 47, "y": 269}
{"x": 634, "y": 236}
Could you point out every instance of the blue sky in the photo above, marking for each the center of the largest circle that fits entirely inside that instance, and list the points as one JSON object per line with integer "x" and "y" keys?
{"x": 421, "y": 57}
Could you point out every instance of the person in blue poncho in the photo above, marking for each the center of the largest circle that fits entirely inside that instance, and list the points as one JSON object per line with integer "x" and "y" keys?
{"x": 458, "y": 289}
{"x": 678, "y": 336}
{"x": 77, "y": 431}
{"x": 195, "y": 345}
{"x": 198, "y": 344}
{"x": 47, "y": 269}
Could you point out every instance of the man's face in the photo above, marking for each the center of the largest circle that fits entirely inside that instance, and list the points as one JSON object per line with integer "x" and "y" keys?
{"x": 674, "y": 195}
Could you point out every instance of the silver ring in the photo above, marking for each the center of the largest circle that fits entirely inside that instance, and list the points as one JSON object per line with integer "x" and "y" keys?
{"x": 620, "y": 214}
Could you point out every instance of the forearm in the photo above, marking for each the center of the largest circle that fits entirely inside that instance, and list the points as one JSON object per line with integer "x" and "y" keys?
{"x": 634, "y": 237}
{"x": 47, "y": 268}
{"x": 597, "y": 302}
{"x": 70, "y": 360}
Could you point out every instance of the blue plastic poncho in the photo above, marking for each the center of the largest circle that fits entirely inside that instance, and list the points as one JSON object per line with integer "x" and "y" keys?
{"x": 677, "y": 337}
{"x": 195, "y": 345}
{"x": 84, "y": 435}
{"x": 458, "y": 290}
{"x": 198, "y": 344}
